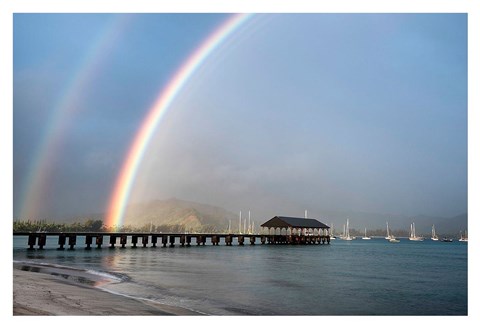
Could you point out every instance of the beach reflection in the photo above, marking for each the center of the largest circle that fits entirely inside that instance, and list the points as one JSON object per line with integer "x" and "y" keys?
{"x": 73, "y": 276}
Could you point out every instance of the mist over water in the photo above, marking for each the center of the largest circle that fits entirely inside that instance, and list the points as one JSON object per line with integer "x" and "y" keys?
{"x": 345, "y": 278}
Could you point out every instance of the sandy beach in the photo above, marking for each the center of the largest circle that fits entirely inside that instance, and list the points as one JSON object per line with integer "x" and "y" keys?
{"x": 36, "y": 293}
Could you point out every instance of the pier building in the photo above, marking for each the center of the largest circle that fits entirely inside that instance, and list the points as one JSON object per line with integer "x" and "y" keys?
{"x": 292, "y": 230}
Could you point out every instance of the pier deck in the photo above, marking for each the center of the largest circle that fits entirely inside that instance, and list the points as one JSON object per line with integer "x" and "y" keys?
{"x": 112, "y": 239}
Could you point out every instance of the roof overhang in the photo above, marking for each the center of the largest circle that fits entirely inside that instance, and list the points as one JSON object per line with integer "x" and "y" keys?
{"x": 291, "y": 222}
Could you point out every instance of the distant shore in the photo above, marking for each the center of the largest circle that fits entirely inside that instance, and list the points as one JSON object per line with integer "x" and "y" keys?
{"x": 36, "y": 293}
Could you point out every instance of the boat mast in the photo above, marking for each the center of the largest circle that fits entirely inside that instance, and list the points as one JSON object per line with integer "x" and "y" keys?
{"x": 240, "y": 223}
{"x": 348, "y": 230}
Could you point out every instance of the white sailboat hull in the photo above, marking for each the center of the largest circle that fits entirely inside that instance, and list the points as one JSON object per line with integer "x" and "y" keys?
{"x": 434, "y": 234}
{"x": 413, "y": 236}
{"x": 366, "y": 238}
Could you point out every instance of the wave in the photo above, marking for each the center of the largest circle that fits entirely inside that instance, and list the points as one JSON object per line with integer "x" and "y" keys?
{"x": 113, "y": 277}
{"x": 145, "y": 299}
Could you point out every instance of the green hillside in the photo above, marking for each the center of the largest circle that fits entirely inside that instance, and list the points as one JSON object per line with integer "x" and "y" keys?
{"x": 180, "y": 214}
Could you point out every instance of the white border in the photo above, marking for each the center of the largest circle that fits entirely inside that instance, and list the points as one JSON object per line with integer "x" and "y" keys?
{"x": 8, "y": 7}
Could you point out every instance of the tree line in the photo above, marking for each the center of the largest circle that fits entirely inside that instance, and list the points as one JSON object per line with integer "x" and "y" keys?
{"x": 98, "y": 226}
{"x": 45, "y": 226}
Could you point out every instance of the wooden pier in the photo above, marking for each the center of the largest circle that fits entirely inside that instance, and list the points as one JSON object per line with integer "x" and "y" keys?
{"x": 38, "y": 240}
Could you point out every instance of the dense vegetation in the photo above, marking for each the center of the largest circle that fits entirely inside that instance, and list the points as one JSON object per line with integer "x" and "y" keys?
{"x": 43, "y": 225}
{"x": 97, "y": 226}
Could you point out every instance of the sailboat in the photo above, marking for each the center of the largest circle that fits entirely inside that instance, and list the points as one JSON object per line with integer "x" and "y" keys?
{"x": 388, "y": 237}
{"x": 434, "y": 235}
{"x": 413, "y": 236}
{"x": 344, "y": 233}
{"x": 347, "y": 236}
{"x": 463, "y": 237}
{"x": 393, "y": 240}
{"x": 366, "y": 238}
{"x": 332, "y": 235}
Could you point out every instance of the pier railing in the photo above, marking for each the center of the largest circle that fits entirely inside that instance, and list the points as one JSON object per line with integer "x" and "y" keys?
{"x": 112, "y": 239}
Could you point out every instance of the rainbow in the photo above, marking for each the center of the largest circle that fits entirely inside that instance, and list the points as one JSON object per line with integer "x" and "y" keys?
{"x": 40, "y": 171}
{"x": 125, "y": 179}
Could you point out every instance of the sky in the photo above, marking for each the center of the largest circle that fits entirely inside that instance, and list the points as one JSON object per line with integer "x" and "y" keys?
{"x": 338, "y": 112}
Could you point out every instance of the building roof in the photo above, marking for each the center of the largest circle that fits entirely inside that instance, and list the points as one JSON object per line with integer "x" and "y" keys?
{"x": 289, "y": 222}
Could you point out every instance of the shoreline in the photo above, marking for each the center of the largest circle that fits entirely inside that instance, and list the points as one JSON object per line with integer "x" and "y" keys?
{"x": 40, "y": 293}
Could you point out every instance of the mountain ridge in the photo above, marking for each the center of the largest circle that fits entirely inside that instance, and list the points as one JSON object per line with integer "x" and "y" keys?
{"x": 191, "y": 215}
{"x": 198, "y": 216}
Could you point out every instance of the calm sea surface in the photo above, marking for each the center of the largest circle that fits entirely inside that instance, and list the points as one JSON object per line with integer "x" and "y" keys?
{"x": 359, "y": 277}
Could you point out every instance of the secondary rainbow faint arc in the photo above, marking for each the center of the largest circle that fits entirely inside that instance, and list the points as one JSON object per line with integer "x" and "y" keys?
{"x": 125, "y": 179}
{"x": 50, "y": 144}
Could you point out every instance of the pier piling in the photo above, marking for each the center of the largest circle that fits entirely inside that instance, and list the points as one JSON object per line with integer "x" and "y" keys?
{"x": 99, "y": 241}
{"x": 123, "y": 240}
{"x": 61, "y": 242}
{"x": 42, "y": 240}
{"x": 32, "y": 240}
{"x": 201, "y": 240}
{"x": 113, "y": 241}
{"x": 134, "y": 241}
{"x": 72, "y": 241}
{"x": 88, "y": 242}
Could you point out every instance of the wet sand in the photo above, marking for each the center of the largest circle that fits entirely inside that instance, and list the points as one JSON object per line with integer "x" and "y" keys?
{"x": 36, "y": 293}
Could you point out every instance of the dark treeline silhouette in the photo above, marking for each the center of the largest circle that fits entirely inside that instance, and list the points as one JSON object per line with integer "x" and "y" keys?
{"x": 43, "y": 225}
{"x": 98, "y": 226}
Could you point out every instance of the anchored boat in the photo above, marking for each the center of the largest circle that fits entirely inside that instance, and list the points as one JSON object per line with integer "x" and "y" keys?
{"x": 366, "y": 238}
{"x": 434, "y": 235}
{"x": 413, "y": 236}
{"x": 388, "y": 237}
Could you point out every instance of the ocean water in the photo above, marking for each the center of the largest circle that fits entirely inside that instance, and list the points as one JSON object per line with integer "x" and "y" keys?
{"x": 359, "y": 277}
